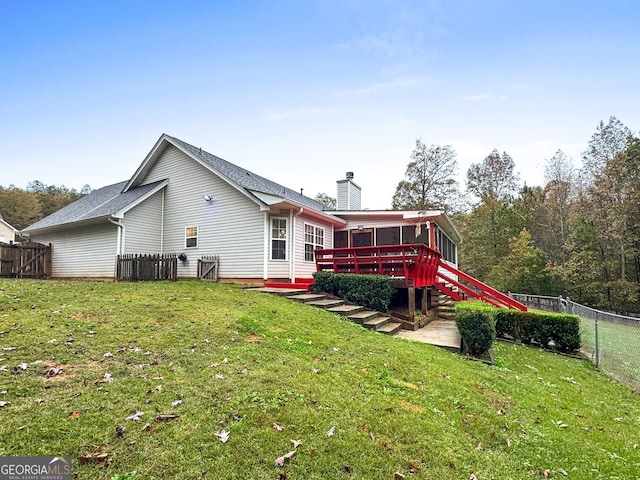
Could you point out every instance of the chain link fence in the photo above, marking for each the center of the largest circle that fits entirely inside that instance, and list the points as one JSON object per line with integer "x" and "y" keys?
{"x": 610, "y": 340}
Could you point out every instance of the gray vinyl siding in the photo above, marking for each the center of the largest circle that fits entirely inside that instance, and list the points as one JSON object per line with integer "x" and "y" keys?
{"x": 143, "y": 226}
{"x": 6, "y": 233}
{"x": 230, "y": 226}
{"x": 303, "y": 268}
{"x": 88, "y": 252}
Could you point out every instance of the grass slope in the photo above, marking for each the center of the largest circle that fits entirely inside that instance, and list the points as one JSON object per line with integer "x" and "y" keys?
{"x": 269, "y": 371}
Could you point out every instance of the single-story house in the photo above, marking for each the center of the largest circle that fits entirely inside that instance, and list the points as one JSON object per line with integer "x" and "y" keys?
{"x": 7, "y": 232}
{"x": 184, "y": 200}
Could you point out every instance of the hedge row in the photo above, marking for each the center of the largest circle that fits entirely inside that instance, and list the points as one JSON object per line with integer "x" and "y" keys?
{"x": 371, "y": 291}
{"x": 541, "y": 328}
{"x": 480, "y": 323}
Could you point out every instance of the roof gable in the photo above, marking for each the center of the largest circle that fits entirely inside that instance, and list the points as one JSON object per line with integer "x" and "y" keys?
{"x": 107, "y": 201}
{"x": 240, "y": 178}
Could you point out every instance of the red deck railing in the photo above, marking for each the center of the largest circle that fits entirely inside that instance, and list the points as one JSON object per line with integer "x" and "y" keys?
{"x": 417, "y": 262}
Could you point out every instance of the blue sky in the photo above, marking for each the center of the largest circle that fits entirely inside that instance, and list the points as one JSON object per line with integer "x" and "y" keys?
{"x": 303, "y": 91}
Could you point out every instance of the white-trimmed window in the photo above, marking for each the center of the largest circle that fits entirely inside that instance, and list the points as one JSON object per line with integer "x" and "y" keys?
{"x": 313, "y": 238}
{"x": 279, "y": 235}
{"x": 191, "y": 237}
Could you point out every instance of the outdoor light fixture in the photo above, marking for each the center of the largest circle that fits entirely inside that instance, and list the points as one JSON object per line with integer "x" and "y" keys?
{"x": 206, "y": 197}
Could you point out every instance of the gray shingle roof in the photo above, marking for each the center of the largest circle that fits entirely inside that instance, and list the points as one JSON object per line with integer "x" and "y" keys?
{"x": 103, "y": 202}
{"x": 246, "y": 179}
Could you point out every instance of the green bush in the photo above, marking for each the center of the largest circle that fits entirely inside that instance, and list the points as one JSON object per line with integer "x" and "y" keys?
{"x": 371, "y": 291}
{"x": 540, "y": 327}
{"x": 475, "y": 321}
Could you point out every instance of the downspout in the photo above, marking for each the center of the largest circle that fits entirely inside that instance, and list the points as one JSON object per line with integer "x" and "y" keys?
{"x": 292, "y": 262}
{"x": 267, "y": 241}
{"x": 162, "y": 224}
{"x": 121, "y": 234}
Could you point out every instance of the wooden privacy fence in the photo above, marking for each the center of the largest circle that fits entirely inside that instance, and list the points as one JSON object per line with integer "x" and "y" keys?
{"x": 25, "y": 260}
{"x": 135, "y": 267}
{"x": 208, "y": 268}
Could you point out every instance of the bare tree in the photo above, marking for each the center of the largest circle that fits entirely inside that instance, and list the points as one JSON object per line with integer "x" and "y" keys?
{"x": 429, "y": 181}
{"x": 494, "y": 178}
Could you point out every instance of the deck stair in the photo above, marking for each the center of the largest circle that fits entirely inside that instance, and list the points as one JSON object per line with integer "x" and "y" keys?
{"x": 443, "y": 305}
{"x": 369, "y": 319}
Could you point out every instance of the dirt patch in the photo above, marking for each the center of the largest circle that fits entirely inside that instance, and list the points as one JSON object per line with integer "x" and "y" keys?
{"x": 410, "y": 407}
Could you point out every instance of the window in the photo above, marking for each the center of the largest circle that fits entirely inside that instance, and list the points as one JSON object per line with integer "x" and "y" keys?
{"x": 340, "y": 239}
{"x": 388, "y": 236}
{"x": 409, "y": 234}
{"x": 279, "y": 239}
{"x": 446, "y": 246}
{"x": 191, "y": 237}
{"x": 313, "y": 238}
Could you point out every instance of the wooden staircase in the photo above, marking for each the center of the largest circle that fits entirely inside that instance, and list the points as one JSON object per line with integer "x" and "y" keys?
{"x": 369, "y": 319}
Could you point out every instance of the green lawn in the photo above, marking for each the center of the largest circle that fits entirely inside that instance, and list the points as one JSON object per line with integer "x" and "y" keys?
{"x": 618, "y": 346}
{"x": 267, "y": 370}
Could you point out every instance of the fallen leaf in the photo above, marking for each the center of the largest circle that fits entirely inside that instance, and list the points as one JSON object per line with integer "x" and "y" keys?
{"x": 331, "y": 432}
{"x": 501, "y": 412}
{"x": 135, "y": 417}
{"x": 280, "y": 460}
{"x": 296, "y": 443}
{"x": 315, "y": 370}
{"x": 347, "y": 469}
{"x": 146, "y": 426}
{"x": 277, "y": 427}
{"x": 4, "y": 404}
{"x": 398, "y": 476}
{"x": 176, "y": 403}
{"x": 479, "y": 447}
{"x": 223, "y": 435}
{"x": 563, "y": 472}
{"x": 413, "y": 468}
{"x": 219, "y": 377}
{"x": 52, "y": 372}
{"x": 166, "y": 418}
{"x": 472, "y": 476}
{"x": 96, "y": 457}
{"x": 74, "y": 415}
{"x": 508, "y": 443}
{"x": 108, "y": 355}
{"x": 546, "y": 473}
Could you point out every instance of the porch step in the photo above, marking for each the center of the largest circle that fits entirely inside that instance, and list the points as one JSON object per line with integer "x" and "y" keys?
{"x": 363, "y": 316}
{"x": 297, "y": 286}
{"x": 307, "y": 297}
{"x": 346, "y": 310}
{"x": 375, "y": 323}
{"x": 390, "y": 328}
{"x": 326, "y": 303}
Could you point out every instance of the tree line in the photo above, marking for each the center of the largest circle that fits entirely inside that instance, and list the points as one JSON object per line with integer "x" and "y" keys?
{"x": 23, "y": 207}
{"x": 578, "y": 235}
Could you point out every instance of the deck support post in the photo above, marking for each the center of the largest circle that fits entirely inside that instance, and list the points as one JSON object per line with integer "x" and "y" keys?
{"x": 411, "y": 291}
{"x": 425, "y": 300}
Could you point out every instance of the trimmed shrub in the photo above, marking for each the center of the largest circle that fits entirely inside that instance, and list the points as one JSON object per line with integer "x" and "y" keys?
{"x": 371, "y": 291}
{"x": 476, "y": 324}
{"x": 549, "y": 330}
{"x": 540, "y": 327}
